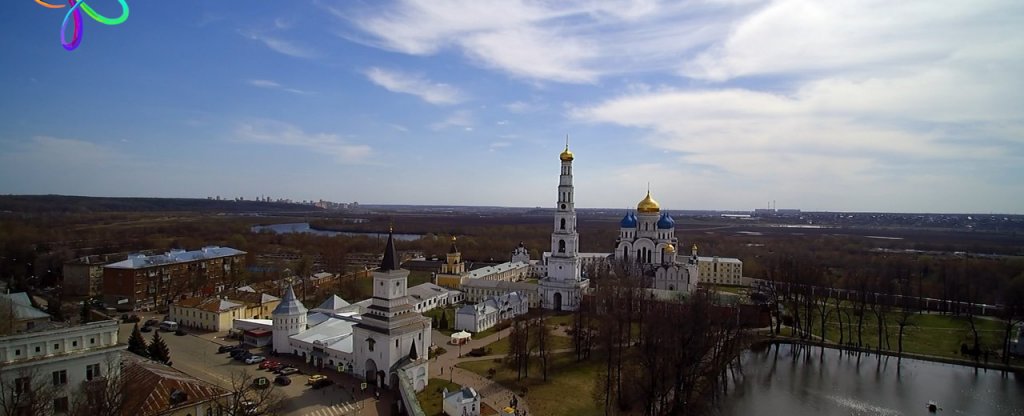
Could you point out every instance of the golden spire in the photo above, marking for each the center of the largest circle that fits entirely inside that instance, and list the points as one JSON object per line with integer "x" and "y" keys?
{"x": 566, "y": 155}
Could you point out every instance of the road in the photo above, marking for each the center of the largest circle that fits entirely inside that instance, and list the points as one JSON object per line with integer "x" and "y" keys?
{"x": 196, "y": 355}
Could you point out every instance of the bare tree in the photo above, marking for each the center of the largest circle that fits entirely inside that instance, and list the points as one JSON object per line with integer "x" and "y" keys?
{"x": 908, "y": 309}
{"x": 543, "y": 344}
{"x": 7, "y": 324}
{"x": 248, "y": 399}
{"x": 1012, "y": 313}
{"x": 25, "y": 392}
{"x": 101, "y": 396}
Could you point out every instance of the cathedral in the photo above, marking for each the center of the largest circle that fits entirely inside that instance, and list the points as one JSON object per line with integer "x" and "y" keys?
{"x": 563, "y": 284}
{"x": 648, "y": 240}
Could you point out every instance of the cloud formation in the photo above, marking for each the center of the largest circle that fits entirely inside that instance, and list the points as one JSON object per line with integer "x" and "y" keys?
{"x": 282, "y": 46}
{"x": 266, "y": 83}
{"x": 413, "y": 84}
{"x": 285, "y": 134}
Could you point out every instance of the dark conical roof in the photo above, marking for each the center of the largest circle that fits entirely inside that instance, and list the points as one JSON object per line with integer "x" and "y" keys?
{"x": 412, "y": 352}
{"x": 391, "y": 260}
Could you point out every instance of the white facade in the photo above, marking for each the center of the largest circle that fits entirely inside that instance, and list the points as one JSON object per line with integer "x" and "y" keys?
{"x": 486, "y": 314}
{"x": 289, "y": 319}
{"x": 63, "y": 358}
{"x": 647, "y": 242}
{"x": 463, "y": 402}
{"x": 477, "y": 291}
{"x": 563, "y": 284}
{"x": 427, "y": 296}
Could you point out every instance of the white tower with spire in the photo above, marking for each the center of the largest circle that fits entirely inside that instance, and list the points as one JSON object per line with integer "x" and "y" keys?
{"x": 562, "y": 287}
{"x": 289, "y": 319}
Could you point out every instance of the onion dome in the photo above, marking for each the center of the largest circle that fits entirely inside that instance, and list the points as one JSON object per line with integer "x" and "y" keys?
{"x": 648, "y": 205}
{"x": 666, "y": 222}
{"x": 566, "y": 155}
{"x": 670, "y": 249}
{"x": 628, "y": 221}
{"x": 453, "y": 249}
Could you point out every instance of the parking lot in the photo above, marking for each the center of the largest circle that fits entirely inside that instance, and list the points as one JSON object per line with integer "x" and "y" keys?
{"x": 196, "y": 354}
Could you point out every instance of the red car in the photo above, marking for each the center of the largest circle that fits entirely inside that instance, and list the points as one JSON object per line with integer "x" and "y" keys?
{"x": 269, "y": 365}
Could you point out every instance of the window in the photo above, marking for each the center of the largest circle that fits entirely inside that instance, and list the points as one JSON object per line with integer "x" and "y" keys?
{"x": 563, "y": 223}
{"x": 396, "y": 343}
{"x": 56, "y": 346}
{"x": 60, "y": 378}
{"x": 370, "y": 342}
{"x": 74, "y": 343}
{"x": 92, "y": 371}
{"x": 60, "y": 405}
{"x": 92, "y": 341}
{"x": 22, "y": 385}
{"x": 37, "y": 349}
{"x": 17, "y": 353}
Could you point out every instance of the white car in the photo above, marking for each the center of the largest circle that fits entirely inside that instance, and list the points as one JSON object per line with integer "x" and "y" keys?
{"x": 255, "y": 359}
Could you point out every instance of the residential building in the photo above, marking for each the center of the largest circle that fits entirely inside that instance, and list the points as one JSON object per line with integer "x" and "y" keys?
{"x": 18, "y": 315}
{"x": 84, "y": 275}
{"x": 217, "y": 313}
{"x": 476, "y": 290}
{"x": 720, "y": 270}
{"x": 463, "y": 402}
{"x": 484, "y": 315}
{"x": 144, "y": 282}
{"x": 60, "y": 360}
{"x": 427, "y": 296}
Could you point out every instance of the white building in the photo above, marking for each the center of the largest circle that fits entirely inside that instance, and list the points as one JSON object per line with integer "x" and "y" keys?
{"x": 476, "y": 290}
{"x": 427, "y": 296}
{"x": 392, "y": 340}
{"x": 508, "y": 272}
{"x": 62, "y": 359}
{"x": 563, "y": 284}
{"x": 463, "y": 402}
{"x": 289, "y": 319}
{"x": 647, "y": 240}
{"x": 486, "y": 314}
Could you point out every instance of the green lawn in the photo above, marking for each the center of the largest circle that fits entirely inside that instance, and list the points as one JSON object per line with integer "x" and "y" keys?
{"x": 501, "y": 346}
{"x": 449, "y": 314}
{"x": 430, "y": 398}
{"x": 929, "y": 334}
{"x": 568, "y": 391}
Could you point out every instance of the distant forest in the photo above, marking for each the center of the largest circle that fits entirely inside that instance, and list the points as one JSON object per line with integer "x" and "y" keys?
{"x": 86, "y": 204}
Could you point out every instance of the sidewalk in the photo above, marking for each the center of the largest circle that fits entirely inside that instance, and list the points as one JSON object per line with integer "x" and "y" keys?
{"x": 494, "y": 394}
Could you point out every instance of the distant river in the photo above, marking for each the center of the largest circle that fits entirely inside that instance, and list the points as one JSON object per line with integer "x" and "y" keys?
{"x": 774, "y": 383}
{"x": 303, "y": 227}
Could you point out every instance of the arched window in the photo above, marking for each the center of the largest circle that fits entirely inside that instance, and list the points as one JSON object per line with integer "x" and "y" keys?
{"x": 563, "y": 223}
{"x": 561, "y": 246}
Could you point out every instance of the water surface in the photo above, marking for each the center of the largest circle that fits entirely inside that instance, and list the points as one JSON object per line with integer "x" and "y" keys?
{"x": 303, "y": 227}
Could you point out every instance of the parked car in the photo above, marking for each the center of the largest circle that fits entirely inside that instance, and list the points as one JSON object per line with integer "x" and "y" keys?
{"x": 319, "y": 384}
{"x": 169, "y": 326}
{"x": 152, "y": 322}
{"x": 287, "y": 371}
{"x": 146, "y": 329}
{"x": 282, "y": 380}
{"x": 267, "y": 364}
{"x": 315, "y": 378}
{"x": 225, "y": 348}
{"x": 275, "y": 366}
{"x": 255, "y": 359}
{"x": 242, "y": 356}
{"x": 130, "y": 318}
{"x": 260, "y": 382}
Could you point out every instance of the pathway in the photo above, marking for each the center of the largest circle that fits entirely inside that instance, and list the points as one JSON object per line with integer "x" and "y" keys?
{"x": 494, "y": 394}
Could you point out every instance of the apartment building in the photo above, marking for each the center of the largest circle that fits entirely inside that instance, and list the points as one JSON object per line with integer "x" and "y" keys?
{"x": 144, "y": 282}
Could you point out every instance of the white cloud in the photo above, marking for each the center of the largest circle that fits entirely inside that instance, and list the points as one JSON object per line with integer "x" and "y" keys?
{"x": 282, "y": 46}
{"x": 461, "y": 118}
{"x": 414, "y": 84}
{"x": 280, "y": 133}
{"x": 570, "y": 41}
{"x": 266, "y": 83}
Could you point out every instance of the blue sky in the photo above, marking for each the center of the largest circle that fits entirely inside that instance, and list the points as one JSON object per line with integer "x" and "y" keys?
{"x": 819, "y": 105}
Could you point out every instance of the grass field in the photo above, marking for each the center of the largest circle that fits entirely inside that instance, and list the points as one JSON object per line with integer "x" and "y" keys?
{"x": 928, "y": 334}
{"x": 501, "y": 346}
{"x": 568, "y": 391}
{"x": 430, "y": 398}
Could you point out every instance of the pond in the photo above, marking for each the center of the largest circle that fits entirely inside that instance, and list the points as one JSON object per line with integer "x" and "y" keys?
{"x": 794, "y": 380}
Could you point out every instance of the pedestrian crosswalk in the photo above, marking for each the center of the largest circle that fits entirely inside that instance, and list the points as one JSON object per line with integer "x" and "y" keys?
{"x": 341, "y": 409}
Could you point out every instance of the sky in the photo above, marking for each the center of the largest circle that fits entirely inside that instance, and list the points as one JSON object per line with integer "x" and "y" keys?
{"x": 907, "y": 106}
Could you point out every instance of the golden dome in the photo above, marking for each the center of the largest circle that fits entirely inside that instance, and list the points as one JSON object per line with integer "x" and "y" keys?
{"x": 648, "y": 205}
{"x": 670, "y": 248}
{"x": 566, "y": 155}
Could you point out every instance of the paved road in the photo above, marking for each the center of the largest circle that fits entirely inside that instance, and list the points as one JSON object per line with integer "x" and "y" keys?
{"x": 196, "y": 355}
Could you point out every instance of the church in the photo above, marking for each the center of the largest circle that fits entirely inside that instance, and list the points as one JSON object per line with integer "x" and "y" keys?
{"x": 384, "y": 345}
{"x": 647, "y": 240}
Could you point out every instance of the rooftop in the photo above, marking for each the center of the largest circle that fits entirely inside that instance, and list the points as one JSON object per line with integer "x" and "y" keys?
{"x": 149, "y": 387}
{"x": 139, "y": 261}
